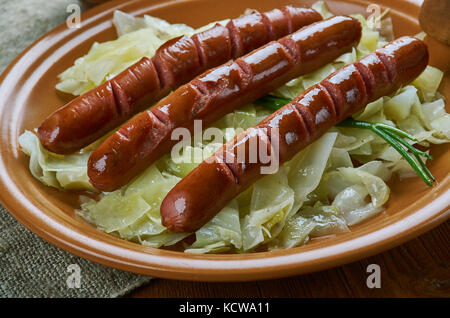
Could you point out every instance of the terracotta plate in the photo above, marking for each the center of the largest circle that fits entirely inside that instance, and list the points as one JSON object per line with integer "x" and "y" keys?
{"x": 28, "y": 95}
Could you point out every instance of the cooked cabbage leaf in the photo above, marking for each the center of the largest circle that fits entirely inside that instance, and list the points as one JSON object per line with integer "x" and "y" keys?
{"x": 58, "y": 171}
{"x": 220, "y": 233}
{"x": 138, "y": 37}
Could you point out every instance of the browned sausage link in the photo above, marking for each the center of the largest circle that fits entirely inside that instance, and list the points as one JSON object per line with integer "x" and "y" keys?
{"x": 216, "y": 93}
{"x": 398, "y": 62}
{"x": 92, "y": 115}
{"x": 297, "y": 124}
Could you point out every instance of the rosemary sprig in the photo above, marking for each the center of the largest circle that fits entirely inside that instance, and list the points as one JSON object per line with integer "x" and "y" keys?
{"x": 391, "y": 135}
{"x": 272, "y": 102}
{"x": 388, "y": 133}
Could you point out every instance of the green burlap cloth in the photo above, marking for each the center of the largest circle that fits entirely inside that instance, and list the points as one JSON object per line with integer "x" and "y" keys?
{"x": 29, "y": 266}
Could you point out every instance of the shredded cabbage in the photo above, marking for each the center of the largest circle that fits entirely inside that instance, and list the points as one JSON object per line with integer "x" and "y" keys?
{"x": 68, "y": 172}
{"x": 138, "y": 37}
{"x": 336, "y": 182}
{"x": 271, "y": 203}
{"x": 428, "y": 82}
{"x": 220, "y": 233}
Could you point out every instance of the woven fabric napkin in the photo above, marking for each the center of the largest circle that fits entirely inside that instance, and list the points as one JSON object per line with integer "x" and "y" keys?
{"x": 29, "y": 266}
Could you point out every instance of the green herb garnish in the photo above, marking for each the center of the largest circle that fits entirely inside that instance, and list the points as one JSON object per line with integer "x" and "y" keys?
{"x": 272, "y": 102}
{"x": 391, "y": 135}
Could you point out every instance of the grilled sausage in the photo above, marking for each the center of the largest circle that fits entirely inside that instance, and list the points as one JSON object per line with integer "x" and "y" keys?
{"x": 215, "y": 93}
{"x": 207, "y": 189}
{"x": 98, "y": 111}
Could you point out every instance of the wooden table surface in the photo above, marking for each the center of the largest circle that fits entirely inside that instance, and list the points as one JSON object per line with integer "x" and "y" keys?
{"x": 418, "y": 268}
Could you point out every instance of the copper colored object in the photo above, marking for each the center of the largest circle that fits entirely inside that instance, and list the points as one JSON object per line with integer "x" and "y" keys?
{"x": 434, "y": 18}
{"x": 27, "y": 90}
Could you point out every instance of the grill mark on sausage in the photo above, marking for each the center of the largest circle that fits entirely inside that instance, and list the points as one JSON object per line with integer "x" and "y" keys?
{"x": 277, "y": 22}
{"x": 337, "y": 97}
{"x": 266, "y": 37}
{"x": 233, "y": 177}
{"x": 245, "y": 75}
{"x": 372, "y": 68}
{"x": 359, "y": 78}
{"x": 306, "y": 116}
{"x": 123, "y": 136}
{"x": 151, "y": 67}
{"x": 346, "y": 88}
{"x": 116, "y": 103}
{"x": 292, "y": 49}
{"x": 230, "y": 153}
{"x": 203, "y": 102}
{"x": 331, "y": 105}
{"x": 209, "y": 86}
{"x": 172, "y": 70}
{"x": 163, "y": 118}
{"x": 247, "y": 33}
{"x": 303, "y": 123}
{"x": 317, "y": 109}
{"x": 200, "y": 103}
{"x": 120, "y": 102}
{"x": 193, "y": 96}
{"x": 269, "y": 27}
{"x": 157, "y": 119}
{"x": 236, "y": 41}
{"x": 213, "y": 46}
{"x": 391, "y": 71}
{"x": 142, "y": 72}
{"x": 288, "y": 17}
{"x": 265, "y": 64}
{"x": 228, "y": 172}
{"x": 290, "y": 127}
{"x": 288, "y": 54}
{"x": 368, "y": 78}
{"x": 159, "y": 71}
{"x": 200, "y": 53}
{"x": 246, "y": 69}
